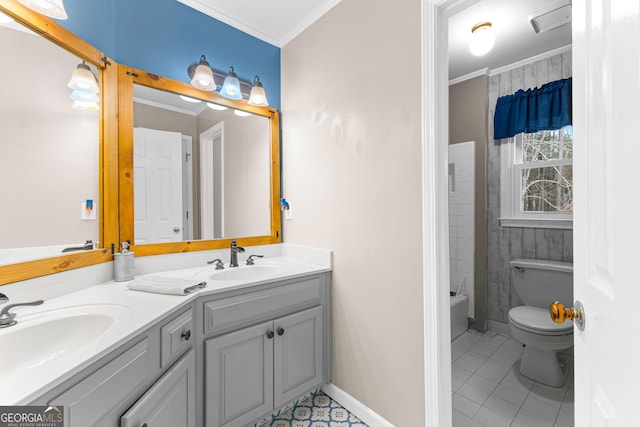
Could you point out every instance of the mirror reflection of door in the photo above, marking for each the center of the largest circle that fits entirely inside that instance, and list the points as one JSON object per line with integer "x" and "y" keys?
{"x": 212, "y": 182}
{"x": 158, "y": 186}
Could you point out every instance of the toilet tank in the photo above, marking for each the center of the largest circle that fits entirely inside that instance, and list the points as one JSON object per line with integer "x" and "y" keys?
{"x": 539, "y": 283}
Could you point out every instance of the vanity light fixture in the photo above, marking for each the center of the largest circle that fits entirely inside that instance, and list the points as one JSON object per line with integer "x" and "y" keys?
{"x": 216, "y": 106}
{"x": 241, "y": 113}
{"x": 84, "y": 86}
{"x": 201, "y": 75}
{"x": 258, "y": 96}
{"x": 482, "y": 39}
{"x": 50, "y": 8}
{"x": 83, "y": 79}
{"x": 189, "y": 99}
{"x": 231, "y": 87}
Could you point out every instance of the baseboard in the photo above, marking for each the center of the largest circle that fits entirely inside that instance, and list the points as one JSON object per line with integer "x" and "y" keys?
{"x": 499, "y": 328}
{"x": 356, "y": 407}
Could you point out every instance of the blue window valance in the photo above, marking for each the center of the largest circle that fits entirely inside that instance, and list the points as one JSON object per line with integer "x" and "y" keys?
{"x": 545, "y": 108}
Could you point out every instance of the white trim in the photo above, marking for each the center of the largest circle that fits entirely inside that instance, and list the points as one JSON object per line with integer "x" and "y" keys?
{"x": 530, "y": 60}
{"x": 353, "y": 405}
{"x": 564, "y": 224}
{"x": 435, "y": 218}
{"x": 273, "y": 39}
{"x": 482, "y": 72}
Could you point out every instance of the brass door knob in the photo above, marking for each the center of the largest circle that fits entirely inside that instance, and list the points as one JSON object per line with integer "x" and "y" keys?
{"x": 559, "y": 313}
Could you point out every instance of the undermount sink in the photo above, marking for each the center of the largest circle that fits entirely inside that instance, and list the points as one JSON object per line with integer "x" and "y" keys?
{"x": 45, "y": 336}
{"x": 249, "y": 272}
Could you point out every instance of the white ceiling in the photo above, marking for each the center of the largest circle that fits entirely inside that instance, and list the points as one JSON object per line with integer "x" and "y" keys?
{"x": 276, "y": 22}
{"x": 515, "y": 38}
{"x": 279, "y": 21}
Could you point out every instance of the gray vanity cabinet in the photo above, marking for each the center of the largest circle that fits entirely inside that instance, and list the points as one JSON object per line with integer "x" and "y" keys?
{"x": 257, "y": 368}
{"x": 150, "y": 365}
{"x": 170, "y": 402}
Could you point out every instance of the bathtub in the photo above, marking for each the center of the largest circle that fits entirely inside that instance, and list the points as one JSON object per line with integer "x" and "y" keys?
{"x": 459, "y": 318}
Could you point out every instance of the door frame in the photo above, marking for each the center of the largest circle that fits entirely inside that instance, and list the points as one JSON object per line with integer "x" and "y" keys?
{"x": 435, "y": 218}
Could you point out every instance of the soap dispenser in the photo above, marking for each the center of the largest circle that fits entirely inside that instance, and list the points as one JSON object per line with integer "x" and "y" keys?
{"x": 123, "y": 264}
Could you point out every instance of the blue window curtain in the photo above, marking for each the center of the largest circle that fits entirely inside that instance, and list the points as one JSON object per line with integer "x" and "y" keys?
{"x": 545, "y": 108}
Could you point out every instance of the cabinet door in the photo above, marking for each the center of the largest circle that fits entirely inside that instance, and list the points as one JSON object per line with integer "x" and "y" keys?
{"x": 170, "y": 402}
{"x": 239, "y": 376}
{"x": 298, "y": 354}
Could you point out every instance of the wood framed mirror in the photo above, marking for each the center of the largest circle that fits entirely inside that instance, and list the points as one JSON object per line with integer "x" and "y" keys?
{"x": 196, "y": 169}
{"x": 47, "y": 153}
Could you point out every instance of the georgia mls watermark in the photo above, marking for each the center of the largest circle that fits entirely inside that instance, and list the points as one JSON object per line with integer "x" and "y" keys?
{"x": 31, "y": 416}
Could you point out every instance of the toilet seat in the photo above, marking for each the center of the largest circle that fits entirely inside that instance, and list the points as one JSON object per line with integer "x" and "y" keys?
{"x": 537, "y": 321}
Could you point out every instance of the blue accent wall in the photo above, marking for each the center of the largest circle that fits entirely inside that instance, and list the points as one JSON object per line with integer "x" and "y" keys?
{"x": 164, "y": 37}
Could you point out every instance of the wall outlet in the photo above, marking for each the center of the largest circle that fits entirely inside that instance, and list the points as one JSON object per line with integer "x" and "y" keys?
{"x": 89, "y": 211}
{"x": 288, "y": 213}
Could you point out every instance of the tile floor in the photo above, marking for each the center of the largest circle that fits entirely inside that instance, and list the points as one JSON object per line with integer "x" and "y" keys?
{"x": 318, "y": 410}
{"x": 488, "y": 389}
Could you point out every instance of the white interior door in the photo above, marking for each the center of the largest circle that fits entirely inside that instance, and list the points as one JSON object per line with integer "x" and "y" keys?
{"x": 606, "y": 112}
{"x": 157, "y": 186}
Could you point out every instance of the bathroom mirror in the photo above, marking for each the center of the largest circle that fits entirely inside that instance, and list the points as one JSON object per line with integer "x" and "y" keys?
{"x": 50, "y": 153}
{"x": 205, "y": 169}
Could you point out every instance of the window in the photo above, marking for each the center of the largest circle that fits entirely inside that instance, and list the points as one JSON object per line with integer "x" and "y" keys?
{"x": 537, "y": 179}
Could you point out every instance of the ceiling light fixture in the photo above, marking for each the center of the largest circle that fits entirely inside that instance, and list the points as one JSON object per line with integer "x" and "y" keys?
{"x": 201, "y": 75}
{"x": 189, "y": 99}
{"x": 258, "y": 96}
{"x": 241, "y": 113}
{"x": 216, "y": 106}
{"x": 50, "y": 8}
{"x": 231, "y": 87}
{"x": 482, "y": 39}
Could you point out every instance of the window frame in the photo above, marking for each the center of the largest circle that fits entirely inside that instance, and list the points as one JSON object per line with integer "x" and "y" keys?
{"x": 511, "y": 214}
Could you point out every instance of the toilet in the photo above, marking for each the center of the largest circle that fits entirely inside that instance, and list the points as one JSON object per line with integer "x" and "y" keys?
{"x": 538, "y": 284}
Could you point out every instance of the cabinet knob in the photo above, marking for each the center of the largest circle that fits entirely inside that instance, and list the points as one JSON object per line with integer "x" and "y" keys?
{"x": 270, "y": 334}
{"x": 280, "y": 331}
{"x": 186, "y": 334}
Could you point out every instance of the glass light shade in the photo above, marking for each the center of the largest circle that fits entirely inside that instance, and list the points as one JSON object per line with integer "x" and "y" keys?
{"x": 241, "y": 113}
{"x": 258, "y": 96}
{"x": 83, "y": 79}
{"x": 79, "y": 95}
{"x": 231, "y": 87}
{"x": 203, "y": 78}
{"x": 216, "y": 106}
{"x": 5, "y": 19}
{"x": 50, "y": 8}
{"x": 482, "y": 39}
{"x": 86, "y": 106}
{"x": 189, "y": 99}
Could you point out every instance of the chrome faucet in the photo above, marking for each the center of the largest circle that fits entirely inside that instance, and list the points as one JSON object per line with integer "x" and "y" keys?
{"x": 8, "y": 319}
{"x": 88, "y": 245}
{"x": 234, "y": 253}
{"x": 3, "y": 298}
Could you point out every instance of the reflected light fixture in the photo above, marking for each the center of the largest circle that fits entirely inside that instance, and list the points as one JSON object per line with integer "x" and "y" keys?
{"x": 201, "y": 75}
{"x": 85, "y": 106}
{"x": 258, "y": 96}
{"x": 482, "y": 39}
{"x": 216, "y": 106}
{"x": 231, "y": 87}
{"x": 241, "y": 113}
{"x": 5, "y": 19}
{"x": 189, "y": 99}
{"x": 50, "y": 8}
{"x": 78, "y": 95}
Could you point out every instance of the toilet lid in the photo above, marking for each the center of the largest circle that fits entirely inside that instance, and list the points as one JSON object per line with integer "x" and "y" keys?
{"x": 538, "y": 320}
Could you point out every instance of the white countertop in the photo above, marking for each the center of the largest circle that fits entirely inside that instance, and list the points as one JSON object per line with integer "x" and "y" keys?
{"x": 133, "y": 312}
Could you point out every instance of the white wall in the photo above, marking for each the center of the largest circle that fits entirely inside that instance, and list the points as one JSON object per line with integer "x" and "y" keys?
{"x": 352, "y": 173}
{"x": 461, "y": 219}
